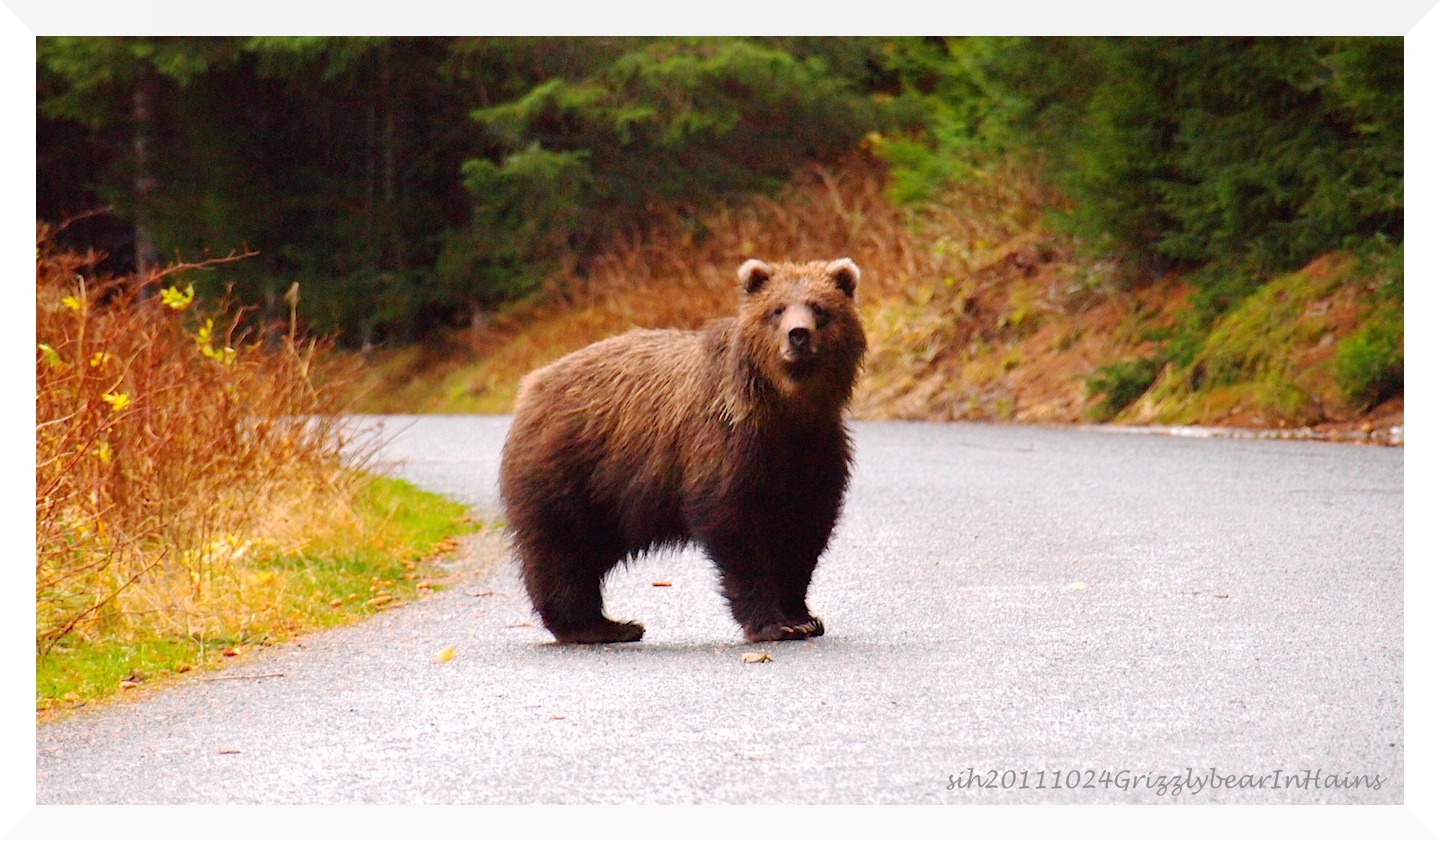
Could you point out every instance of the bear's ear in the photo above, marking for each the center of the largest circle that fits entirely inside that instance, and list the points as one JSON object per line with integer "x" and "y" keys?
{"x": 845, "y": 274}
{"x": 753, "y": 275}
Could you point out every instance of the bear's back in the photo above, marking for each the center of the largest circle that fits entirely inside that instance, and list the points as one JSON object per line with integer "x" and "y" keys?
{"x": 643, "y": 381}
{"x": 616, "y": 426}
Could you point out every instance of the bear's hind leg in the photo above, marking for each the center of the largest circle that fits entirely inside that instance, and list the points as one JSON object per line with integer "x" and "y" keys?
{"x": 606, "y": 630}
{"x": 565, "y": 590}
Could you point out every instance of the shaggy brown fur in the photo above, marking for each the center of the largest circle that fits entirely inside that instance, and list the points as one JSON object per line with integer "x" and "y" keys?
{"x": 732, "y": 437}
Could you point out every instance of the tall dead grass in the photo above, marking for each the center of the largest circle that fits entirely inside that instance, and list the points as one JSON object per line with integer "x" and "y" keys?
{"x": 165, "y": 437}
{"x": 921, "y": 267}
{"x": 974, "y": 307}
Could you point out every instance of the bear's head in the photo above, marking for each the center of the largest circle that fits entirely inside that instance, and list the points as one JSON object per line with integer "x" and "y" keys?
{"x": 800, "y": 328}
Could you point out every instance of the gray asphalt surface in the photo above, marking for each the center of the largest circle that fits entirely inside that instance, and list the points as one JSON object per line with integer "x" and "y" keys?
{"x": 996, "y": 599}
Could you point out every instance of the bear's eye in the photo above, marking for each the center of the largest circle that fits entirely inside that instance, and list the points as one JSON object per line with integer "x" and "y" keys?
{"x": 779, "y": 311}
{"x": 822, "y": 316}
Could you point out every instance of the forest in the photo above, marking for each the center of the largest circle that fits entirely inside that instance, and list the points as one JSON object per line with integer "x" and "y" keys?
{"x": 410, "y": 184}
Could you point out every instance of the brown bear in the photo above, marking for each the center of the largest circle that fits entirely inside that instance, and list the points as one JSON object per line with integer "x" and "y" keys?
{"x": 731, "y": 437}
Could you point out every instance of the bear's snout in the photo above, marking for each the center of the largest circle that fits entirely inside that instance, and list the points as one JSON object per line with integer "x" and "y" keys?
{"x": 798, "y": 328}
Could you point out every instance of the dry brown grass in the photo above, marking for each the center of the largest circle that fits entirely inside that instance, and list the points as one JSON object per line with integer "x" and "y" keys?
{"x": 681, "y": 274}
{"x": 923, "y": 271}
{"x": 165, "y": 440}
{"x": 974, "y": 309}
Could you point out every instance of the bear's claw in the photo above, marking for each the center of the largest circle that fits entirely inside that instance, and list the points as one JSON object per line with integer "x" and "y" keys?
{"x": 778, "y": 631}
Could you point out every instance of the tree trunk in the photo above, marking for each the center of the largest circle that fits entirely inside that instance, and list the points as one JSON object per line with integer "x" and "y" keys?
{"x": 143, "y": 119}
{"x": 388, "y": 190}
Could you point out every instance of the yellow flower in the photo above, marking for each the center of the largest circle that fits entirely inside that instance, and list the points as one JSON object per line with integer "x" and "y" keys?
{"x": 71, "y": 301}
{"x": 202, "y": 340}
{"x": 50, "y": 356}
{"x": 116, "y": 401}
{"x": 223, "y": 355}
{"x": 202, "y": 336}
{"x": 103, "y": 452}
{"x": 177, "y": 300}
{"x": 100, "y": 358}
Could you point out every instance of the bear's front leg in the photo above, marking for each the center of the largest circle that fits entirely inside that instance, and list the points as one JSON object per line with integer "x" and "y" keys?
{"x": 791, "y": 574}
{"x": 766, "y": 590}
{"x": 811, "y": 627}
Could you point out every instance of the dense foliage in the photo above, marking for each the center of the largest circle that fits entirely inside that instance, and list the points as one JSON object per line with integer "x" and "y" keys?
{"x": 1228, "y": 153}
{"x": 166, "y": 442}
{"x": 410, "y": 183}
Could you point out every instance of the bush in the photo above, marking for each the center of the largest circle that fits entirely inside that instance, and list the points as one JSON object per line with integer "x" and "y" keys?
{"x": 1370, "y": 364}
{"x": 163, "y": 435}
{"x": 1122, "y": 383}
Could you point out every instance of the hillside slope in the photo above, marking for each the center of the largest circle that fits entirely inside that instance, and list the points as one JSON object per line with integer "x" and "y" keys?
{"x": 974, "y": 311}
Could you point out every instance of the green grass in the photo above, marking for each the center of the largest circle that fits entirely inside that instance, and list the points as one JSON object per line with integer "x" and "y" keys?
{"x": 1370, "y": 364}
{"x": 1310, "y": 346}
{"x": 390, "y": 546}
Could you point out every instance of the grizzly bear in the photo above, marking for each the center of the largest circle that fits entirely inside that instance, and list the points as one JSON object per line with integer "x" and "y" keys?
{"x": 731, "y": 437}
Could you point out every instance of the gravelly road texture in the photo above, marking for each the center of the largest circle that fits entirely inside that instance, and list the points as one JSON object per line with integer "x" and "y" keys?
{"x": 996, "y": 598}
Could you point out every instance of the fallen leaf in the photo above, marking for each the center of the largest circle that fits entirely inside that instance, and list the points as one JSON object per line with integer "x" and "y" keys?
{"x": 224, "y": 751}
{"x": 1078, "y": 585}
{"x": 233, "y": 652}
{"x": 1222, "y": 595}
{"x": 659, "y": 583}
{"x": 757, "y": 657}
{"x": 336, "y": 602}
{"x": 378, "y": 600}
{"x": 557, "y": 718}
{"x": 445, "y": 655}
{"x": 519, "y": 625}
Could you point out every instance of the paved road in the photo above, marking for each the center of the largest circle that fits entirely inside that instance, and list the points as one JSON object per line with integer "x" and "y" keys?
{"x": 996, "y": 599}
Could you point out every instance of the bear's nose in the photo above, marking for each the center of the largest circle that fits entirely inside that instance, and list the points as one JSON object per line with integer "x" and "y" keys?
{"x": 799, "y": 338}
